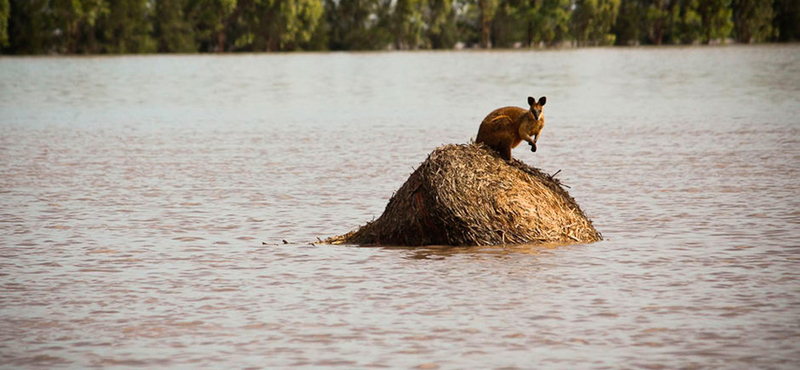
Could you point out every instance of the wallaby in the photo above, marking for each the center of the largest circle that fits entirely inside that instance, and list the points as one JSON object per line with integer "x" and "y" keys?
{"x": 505, "y": 128}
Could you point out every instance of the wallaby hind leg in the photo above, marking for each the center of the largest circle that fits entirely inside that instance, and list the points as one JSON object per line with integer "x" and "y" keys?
{"x": 505, "y": 153}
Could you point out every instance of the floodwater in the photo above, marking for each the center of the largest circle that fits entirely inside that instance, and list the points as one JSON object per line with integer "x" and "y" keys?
{"x": 145, "y": 201}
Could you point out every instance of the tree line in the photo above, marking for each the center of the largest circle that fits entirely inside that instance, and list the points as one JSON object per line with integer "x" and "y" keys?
{"x": 188, "y": 26}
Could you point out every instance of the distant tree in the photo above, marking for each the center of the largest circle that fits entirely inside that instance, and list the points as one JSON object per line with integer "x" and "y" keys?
{"x": 549, "y": 22}
{"x": 250, "y": 26}
{"x": 406, "y": 24}
{"x": 630, "y": 21}
{"x": 5, "y": 12}
{"x": 295, "y": 22}
{"x": 142, "y": 26}
{"x": 272, "y": 25}
{"x": 319, "y": 38}
{"x": 354, "y": 25}
{"x": 752, "y": 20}
{"x": 507, "y": 25}
{"x": 688, "y": 23}
{"x": 583, "y": 19}
{"x": 29, "y": 27}
{"x": 440, "y": 19}
{"x": 126, "y": 28}
{"x": 173, "y": 32}
{"x": 467, "y": 19}
{"x": 211, "y": 22}
{"x": 66, "y": 17}
{"x": 716, "y": 19}
{"x": 660, "y": 18}
{"x": 787, "y": 20}
{"x": 74, "y": 24}
{"x": 592, "y": 21}
{"x": 486, "y": 10}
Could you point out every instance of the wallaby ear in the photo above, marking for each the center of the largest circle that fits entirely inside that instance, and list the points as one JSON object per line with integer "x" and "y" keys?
{"x": 542, "y": 100}
{"x": 531, "y": 100}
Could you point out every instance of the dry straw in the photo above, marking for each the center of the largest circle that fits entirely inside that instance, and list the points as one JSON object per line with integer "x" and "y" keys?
{"x": 467, "y": 195}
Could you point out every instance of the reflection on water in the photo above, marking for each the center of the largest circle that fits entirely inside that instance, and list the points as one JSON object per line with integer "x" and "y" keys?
{"x": 145, "y": 200}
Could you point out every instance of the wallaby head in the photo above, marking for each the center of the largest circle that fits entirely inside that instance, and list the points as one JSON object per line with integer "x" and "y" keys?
{"x": 536, "y": 107}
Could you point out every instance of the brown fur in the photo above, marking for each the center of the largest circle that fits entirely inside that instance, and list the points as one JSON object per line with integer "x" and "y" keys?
{"x": 505, "y": 128}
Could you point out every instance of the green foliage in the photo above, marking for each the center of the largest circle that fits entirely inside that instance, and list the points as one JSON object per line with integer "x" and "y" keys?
{"x": 506, "y": 27}
{"x": 628, "y": 27}
{"x": 660, "y": 18}
{"x": 716, "y": 20}
{"x": 592, "y": 21}
{"x": 299, "y": 19}
{"x": 405, "y": 23}
{"x": 145, "y": 26}
{"x": 673, "y": 21}
{"x": 173, "y": 32}
{"x": 440, "y": 18}
{"x": 126, "y": 28}
{"x": 486, "y": 11}
{"x": 5, "y": 12}
{"x": 467, "y": 22}
{"x": 29, "y": 27}
{"x": 354, "y": 24}
{"x": 787, "y": 20}
{"x": 689, "y": 24}
{"x": 550, "y": 22}
{"x": 531, "y": 23}
{"x": 211, "y": 22}
{"x": 273, "y": 25}
{"x": 752, "y": 20}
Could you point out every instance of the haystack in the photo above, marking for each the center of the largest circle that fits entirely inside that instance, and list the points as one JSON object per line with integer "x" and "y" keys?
{"x": 467, "y": 195}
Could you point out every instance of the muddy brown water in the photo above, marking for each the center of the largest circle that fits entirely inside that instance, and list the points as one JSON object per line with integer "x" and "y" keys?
{"x": 144, "y": 201}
